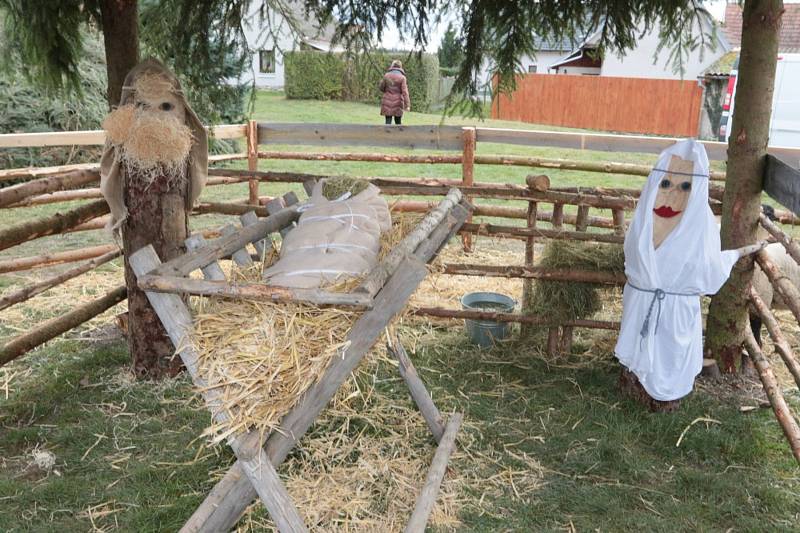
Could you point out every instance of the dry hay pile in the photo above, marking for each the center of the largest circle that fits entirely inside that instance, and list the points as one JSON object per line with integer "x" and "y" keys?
{"x": 263, "y": 356}
{"x": 567, "y": 300}
{"x": 366, "y": 459}
{"x": 365, "y": 462}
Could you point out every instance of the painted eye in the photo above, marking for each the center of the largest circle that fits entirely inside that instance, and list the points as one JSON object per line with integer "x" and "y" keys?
{"x": 665, "y": 184}
{"x": 166, "y": 106}
{"x": 686, "y": 186}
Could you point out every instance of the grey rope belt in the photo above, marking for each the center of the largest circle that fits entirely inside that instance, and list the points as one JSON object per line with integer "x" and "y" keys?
{"x": 658, "y": 297}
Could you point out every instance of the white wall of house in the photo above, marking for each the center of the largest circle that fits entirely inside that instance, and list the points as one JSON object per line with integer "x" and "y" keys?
{"x": 542, "y": 61}
{"x": 268, "y": 48}
{"x": 639, "y": 62}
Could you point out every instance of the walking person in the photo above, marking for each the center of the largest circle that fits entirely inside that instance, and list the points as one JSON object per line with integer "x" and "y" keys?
{"x": 395, "y": 93}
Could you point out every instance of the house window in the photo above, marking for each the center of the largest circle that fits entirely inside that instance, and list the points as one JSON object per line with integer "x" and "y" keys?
{"x": 531, "y": 69}
{"x": 266, "y": 61}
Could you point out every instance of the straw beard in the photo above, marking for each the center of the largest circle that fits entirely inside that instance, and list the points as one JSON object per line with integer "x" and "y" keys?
{"x": 149, "y": 144}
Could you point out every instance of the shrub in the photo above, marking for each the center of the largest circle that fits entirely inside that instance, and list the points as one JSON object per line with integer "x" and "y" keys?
{"x": 313, "y": 75}
{"x": 324, "y": 76}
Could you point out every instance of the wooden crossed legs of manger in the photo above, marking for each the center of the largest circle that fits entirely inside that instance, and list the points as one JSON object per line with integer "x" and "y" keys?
{"x": 387, "y": 289}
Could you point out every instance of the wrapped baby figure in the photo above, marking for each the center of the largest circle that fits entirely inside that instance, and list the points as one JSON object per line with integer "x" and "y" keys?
{"x": 673, "y": 256}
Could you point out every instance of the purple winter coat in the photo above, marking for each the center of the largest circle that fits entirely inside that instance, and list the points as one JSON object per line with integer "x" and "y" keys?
{"x": 395, "y": 93}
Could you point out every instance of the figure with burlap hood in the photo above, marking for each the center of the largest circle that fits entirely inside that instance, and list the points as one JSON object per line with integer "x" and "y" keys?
{"x": 152, "y": 132}
{"x": 394, "y": 87}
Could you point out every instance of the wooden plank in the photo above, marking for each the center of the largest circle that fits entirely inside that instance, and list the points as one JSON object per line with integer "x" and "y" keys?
{"x": 227, "y": 131}
{"x": 241, "y": 256}
{"x": 414, "y": 137}
{"x": 581, "y": 221}
{"x": 248, "y": 219}
{"x": 92, "y": 137}
{"x": 260, "y": 472}
{"x": 416, "y": 388}
{"x": 427, "y": 497}
{"x": 226, "y": 245}
{"x": 255, "y": 291}
{"x": 606, "y": 142}
{"x": 276, "y": 204}
{"x": 212, "y": 270}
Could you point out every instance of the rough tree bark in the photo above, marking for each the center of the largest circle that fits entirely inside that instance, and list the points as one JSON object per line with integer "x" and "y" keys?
{"x": 157, "y": 215}
{"x": 727, "y": 317}
{"x": 121, "y": 39}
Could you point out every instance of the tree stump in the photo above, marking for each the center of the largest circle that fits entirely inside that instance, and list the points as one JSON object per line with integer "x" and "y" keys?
{"x": 157, "y": 215}
{"x": 630, "y": 386}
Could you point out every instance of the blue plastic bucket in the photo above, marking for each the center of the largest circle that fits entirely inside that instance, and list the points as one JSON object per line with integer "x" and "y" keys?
{"x": 485, "y": 333}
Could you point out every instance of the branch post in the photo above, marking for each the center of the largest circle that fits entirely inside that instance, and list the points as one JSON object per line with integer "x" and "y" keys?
{"x": 468, "y": 174}
{"x": 252, "y": 159}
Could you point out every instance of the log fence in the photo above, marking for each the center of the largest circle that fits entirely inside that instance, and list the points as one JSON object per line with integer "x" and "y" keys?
{"x": 571, "y": 216}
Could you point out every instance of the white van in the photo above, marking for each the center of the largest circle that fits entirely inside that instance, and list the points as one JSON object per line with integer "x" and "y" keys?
{"x": 784, "y": 128}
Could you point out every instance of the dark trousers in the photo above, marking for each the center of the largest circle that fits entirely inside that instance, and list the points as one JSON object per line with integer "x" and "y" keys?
{"x": 396, "y": 119}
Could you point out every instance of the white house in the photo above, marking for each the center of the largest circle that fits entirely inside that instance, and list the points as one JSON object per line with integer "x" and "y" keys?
{"x": 645, "y": 60}
{"x": 271, "y": 36}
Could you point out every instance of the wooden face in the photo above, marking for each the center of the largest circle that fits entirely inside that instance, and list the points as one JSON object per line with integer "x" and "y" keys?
{"x": 672, "y": 198}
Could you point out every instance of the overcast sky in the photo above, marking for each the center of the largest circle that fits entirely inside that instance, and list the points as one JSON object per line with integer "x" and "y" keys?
{"x": 391, "y": 39}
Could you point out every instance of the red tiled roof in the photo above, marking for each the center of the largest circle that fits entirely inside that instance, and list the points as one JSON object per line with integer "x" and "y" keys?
{"x": 790, "y": 27}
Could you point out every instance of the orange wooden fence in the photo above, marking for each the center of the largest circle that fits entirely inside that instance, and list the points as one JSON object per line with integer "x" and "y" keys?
{"x": 637, "y": 105}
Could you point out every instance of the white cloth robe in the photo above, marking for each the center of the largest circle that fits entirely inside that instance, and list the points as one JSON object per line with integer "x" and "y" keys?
{"x": 688, "y": 262}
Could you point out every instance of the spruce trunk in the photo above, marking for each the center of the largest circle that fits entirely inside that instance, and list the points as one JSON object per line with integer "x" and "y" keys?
{"x": 157, "y": 215}
{"x": 747, "y": 148}
{"x": 121, "y": 39}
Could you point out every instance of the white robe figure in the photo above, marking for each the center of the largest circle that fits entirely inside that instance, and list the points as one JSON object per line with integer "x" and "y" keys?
{"x": 660, "y": 340}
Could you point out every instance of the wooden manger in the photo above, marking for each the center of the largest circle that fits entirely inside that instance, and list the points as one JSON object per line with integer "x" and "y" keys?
{"x": 382, "y": 294}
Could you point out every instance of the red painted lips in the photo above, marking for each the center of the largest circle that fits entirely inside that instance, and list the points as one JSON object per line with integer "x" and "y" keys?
{"x": 666, "y": 211}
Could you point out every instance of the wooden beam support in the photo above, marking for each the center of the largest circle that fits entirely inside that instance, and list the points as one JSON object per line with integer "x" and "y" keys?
{"x": 56, "y": 326}
{"x": 416, "y": 388}
{"x": 427, "y": 497}
{"x": 534, "y": 272}
{"x": 17, "y": 193}
{"x": 515, "y": 232}
{"x": 51, "y": 225}
{"x": 253, "y": 291}
{"x": 773, "y": 391}
{"x": 259, "y": 471}
{"x": 781, "y": 345}
{"x": 30, "y": 291}
{"x": 55, "y": 258}
{"x": 513, "y": 317}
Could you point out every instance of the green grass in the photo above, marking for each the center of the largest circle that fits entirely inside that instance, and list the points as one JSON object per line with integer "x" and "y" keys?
{"x": 597, "y": 460}
{"x": 128, "y": 455}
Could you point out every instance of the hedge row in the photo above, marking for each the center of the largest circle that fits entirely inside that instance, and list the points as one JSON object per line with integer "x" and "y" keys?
{"x": 325, "y": 76}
